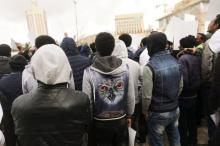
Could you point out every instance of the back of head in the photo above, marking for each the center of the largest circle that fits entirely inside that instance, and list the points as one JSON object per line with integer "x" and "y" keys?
{"x": 157, "y": 43}
{"x": 17, "y": 63}
{"x": 144, "y": 42}
{"x": 69, "y": 46}
{"x": 188, "y": 42}
{"x": 5, "y": 50}
{"x": 217, "y": 20}
{"x": 85, "y": 50}
{"x": 43, "y": 40}
{"x": 104, "y": 44}
{"x": 92, "y": 46}
{"x": 50, "y": 65}
{"x": 126, "y": 38}
{"x": 120, "y": 49}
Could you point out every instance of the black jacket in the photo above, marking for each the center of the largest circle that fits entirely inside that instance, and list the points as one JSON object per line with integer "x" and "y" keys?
{"x": 4, "y": 66}
{"x": 51, "y": 116}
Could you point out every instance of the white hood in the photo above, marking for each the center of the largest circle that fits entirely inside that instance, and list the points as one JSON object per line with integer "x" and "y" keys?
{"x": 214, "y": 42}
{"x": 50, "y": 65}
{"x": 120, "y": 49}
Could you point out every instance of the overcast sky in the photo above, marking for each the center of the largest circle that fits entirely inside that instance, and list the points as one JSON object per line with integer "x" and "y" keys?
{"x": 93, "y": 16}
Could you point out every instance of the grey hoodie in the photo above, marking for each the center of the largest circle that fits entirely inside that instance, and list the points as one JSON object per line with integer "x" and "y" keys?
{"x": 108, "y": 67}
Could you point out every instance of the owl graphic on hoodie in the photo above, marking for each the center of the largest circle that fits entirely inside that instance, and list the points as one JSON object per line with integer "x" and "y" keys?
{"x": 110, "y": 95}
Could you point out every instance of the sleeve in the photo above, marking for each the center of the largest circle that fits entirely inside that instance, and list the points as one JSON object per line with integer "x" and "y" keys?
{"x": 147, "y": 89}
{"x": 207, "y": 64}
{"x": 86, "y": 86}
{"x": 131, "y": 96}
{"x": 28, "y": 82}
{"x": 144, "y": 57}
{"x": 87, "y": 89}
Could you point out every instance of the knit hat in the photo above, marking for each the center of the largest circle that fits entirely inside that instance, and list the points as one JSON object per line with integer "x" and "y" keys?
{"x": 17, "y": 63}
{"x": 5, "y": 50}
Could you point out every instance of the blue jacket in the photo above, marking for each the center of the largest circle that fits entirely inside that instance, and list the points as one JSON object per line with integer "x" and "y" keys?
{"x": 130, "y": 54}
{"x": 10, "y": 89}
{"x": 85, "y": 51}
{"x": 11, "y": 86}
{"x": 77, "y": 62}
{"x": 166, "y": 82}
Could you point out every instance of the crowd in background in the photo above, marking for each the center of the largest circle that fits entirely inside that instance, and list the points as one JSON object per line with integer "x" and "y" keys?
{"x": 69, "y": 95}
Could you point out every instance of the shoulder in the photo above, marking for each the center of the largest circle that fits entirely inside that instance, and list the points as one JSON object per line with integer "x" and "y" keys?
{"x": 131, "y": 63}
{"x": 77, "y": 96}
{"x": 20, "y": 102}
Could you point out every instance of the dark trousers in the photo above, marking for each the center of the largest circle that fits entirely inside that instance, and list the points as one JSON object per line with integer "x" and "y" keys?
{"x": 187, "y": 122}
{"x": 215, "y": 139}
{"x": 8, "y": 129}
{"x": 211, "y": 127}
{"x": 139, "y": 124}
{"x": 111, "y": 133}
{"x": 201, "y": 109}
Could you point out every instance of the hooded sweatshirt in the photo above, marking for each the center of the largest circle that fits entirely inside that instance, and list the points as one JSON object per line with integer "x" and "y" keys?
{"x": 110, "y": 88}
{"x": 77, "y": 62}
{"x": 29, "y": 81}
{"x": 54, "y": 70}
{"x": 121, "y": 52}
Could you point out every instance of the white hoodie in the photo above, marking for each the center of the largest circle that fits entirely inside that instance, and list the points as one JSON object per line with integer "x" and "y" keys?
{"x": 121, "y": 52}
{"x": 50, "y": 65}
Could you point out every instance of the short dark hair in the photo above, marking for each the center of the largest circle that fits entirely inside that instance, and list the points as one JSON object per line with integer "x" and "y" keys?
{"x": 5, "y": 50}
{"x": 92, "y": 46}
{"x": 17, "y": 63}
{"x": 145, "y": 41}
{"x": 169, "y": 43}
{"x": 217, "y": 20}
{"x": 126, "y": 38}
{"x": 104, "y": 44}
{"x": 188, "y": 42}
{"x": 157, "y": 42}
{"x": 43, "y": 40}
{"x": 203, "y": 36}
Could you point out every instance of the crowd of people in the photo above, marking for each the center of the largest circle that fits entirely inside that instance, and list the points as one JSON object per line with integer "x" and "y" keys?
{"x": 69, "y": 95}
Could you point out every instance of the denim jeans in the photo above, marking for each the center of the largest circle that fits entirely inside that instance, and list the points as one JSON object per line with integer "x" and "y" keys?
{"x": 159, "y": 123}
